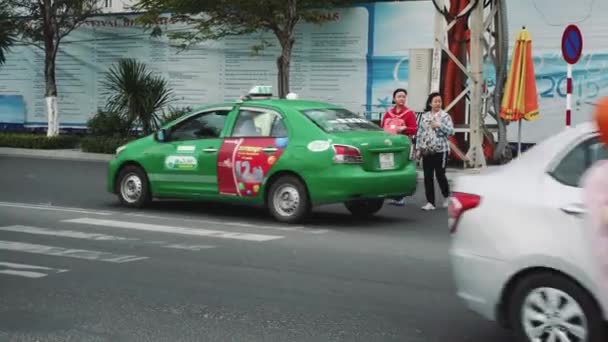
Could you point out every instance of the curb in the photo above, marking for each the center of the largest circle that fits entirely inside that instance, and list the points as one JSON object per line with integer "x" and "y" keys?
{"x": 55, "y": 154}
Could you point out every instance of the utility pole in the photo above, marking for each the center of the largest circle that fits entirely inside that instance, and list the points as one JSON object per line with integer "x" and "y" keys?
{"x": 488, "y": 34}
{"x": 437, "y": 48}
{"x": 475, "y": 155}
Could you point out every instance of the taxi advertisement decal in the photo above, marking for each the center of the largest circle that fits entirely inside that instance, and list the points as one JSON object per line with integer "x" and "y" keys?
{"x": 181, "y": 163}
{"x": 244, "y": 163}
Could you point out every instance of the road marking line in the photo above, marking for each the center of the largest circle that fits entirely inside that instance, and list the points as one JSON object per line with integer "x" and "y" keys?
{"x": 26, "y": 274}
{"x": 70, "y": 253}
{"x": 54, "y": 208}
{"x": 27, "y": 271}
{"x": 48, "y": 207}
{"x": 300, "y": 229}
{"x": 29, "y": 267}
{"x": 63, "y": 233}
{"x": 176, "y": 230}
{"x": 195, "y": 248}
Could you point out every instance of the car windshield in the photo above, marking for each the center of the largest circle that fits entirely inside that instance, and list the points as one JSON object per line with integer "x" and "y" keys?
{"x": 339, "y": 120}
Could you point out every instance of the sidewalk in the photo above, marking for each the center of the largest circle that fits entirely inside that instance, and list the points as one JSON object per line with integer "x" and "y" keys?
{"x": 69, "y": 154}
{"x": 78, "y": 155}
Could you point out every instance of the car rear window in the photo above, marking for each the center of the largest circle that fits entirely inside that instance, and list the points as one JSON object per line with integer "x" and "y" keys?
{"x": 339, "y": 120}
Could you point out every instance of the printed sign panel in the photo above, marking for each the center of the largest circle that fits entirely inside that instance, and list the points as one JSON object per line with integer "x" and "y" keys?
{"x": 356, "y": 61}
{"x": 243, "y": 164}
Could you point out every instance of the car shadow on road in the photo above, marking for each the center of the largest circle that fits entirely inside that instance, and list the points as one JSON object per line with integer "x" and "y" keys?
{"x": 333, "y": 216}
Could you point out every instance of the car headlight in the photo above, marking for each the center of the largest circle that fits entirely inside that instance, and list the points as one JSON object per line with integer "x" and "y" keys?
{"x": 120, "y": 149}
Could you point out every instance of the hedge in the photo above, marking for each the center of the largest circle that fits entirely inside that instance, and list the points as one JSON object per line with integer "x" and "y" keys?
{"x": 103, "y": 144}
{"x": 38, "y": 141}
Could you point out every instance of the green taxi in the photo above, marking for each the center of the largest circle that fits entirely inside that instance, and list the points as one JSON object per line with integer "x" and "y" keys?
{"x": 288, "y": 155}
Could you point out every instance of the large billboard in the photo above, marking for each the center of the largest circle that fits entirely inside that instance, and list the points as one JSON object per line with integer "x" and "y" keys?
{"x": 355, "y": 61}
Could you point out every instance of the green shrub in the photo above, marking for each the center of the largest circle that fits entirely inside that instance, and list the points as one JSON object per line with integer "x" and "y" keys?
{"x": 38, "y": 141}
{"x": 103, "y": 144}
{"x": 108, "y": 124}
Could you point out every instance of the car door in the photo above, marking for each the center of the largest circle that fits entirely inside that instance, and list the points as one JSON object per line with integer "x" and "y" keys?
{"x": 563, "y": 182}
{"x": 252, "y": 147}
{"x": 188, "y": 160}
{"x": 563, "y": 209}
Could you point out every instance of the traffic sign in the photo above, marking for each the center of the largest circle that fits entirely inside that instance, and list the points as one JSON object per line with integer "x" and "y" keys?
{"x": 572, "y": 44}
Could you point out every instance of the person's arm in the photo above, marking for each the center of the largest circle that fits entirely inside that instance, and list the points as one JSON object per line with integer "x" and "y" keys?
{"x": 411, "y": 128}
{"x": 446, "y": 127}
{"x": 383, "y": 121}
{"x": 596, "y": 194}
{"x": 419, "y": 132}
{"x": 595, "y": 200}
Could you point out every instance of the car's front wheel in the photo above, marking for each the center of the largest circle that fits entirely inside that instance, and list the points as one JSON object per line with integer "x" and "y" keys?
{"x": 288, "y": 199}
{"x": 133, "y": 190}
{"x": 364, "y": 208}
{"x": 550, "y": 307}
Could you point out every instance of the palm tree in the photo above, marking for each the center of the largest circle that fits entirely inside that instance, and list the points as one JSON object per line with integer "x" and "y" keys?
{"x": 7, "y": 33}
{"x": 137, "y": 94}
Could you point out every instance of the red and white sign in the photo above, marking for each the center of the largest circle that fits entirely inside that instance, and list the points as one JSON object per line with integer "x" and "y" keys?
{"x": 572, "y": 48}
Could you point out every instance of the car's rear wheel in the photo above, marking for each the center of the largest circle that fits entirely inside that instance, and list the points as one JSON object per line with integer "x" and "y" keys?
{"x": 364, "y": 208}
{"x": 133, "y": 190}
{"x": 548, "y": 307}
{"x": 288, "y": 199}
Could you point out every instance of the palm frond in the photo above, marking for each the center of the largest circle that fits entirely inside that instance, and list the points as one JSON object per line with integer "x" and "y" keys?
{"x": 137, "y": 93}
{"x": 8, "y": 35}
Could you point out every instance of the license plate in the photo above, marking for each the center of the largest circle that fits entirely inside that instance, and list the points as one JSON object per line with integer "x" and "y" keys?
{"x": 387, "y": 161}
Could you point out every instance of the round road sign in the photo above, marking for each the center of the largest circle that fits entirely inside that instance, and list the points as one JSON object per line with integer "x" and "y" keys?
{"x": 572, "y": 44}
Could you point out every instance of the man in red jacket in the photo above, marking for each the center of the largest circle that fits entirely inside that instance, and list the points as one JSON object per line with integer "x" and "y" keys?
{"x": 400, "y": 120}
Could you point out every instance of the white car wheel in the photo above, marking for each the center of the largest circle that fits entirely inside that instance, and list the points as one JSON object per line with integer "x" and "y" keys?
{"x": 548, "y": 307}
{"x": 549, "y": 314}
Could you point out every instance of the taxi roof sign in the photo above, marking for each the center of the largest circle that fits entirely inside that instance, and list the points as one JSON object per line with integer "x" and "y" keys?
{"x": 260, "y": 91}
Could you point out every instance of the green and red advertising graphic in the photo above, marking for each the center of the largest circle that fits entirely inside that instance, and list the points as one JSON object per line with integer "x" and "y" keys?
{"x": 244, "y": 163}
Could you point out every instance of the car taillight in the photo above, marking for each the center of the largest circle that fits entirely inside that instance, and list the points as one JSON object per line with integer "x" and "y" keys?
{"x": 345, "y": 154}
{"x": 459, "y": 203}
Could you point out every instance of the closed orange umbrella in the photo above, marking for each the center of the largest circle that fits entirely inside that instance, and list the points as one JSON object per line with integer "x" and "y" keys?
{"x": 520, "y": 100}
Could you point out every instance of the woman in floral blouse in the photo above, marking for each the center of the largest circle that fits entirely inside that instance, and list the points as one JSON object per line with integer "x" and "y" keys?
{"x": 433, "y": 147}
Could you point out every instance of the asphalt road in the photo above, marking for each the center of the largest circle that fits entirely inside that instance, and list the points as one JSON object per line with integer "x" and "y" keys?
{"x": 75, "y": 266}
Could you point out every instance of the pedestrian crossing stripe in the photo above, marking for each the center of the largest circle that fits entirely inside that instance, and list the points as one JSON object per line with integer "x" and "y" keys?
{"x": 175, "y": 230}
{"x": 62, "y": 233}
{"x": 23, "y": 247}
{"x": 27, "y": 271}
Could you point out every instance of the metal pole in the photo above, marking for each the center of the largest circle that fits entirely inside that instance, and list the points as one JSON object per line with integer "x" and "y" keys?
{"x": 437, "y": 48}
{"x": 569, "y": 97}
{"x": 475, "y": 153}
{"x": 519, "y": 139}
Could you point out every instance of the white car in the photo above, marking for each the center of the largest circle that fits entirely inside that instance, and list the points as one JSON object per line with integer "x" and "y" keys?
{"x": 520, "y": 246}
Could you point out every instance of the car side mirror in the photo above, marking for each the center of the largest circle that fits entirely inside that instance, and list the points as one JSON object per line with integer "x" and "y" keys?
{"x": 161, "y": 135}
